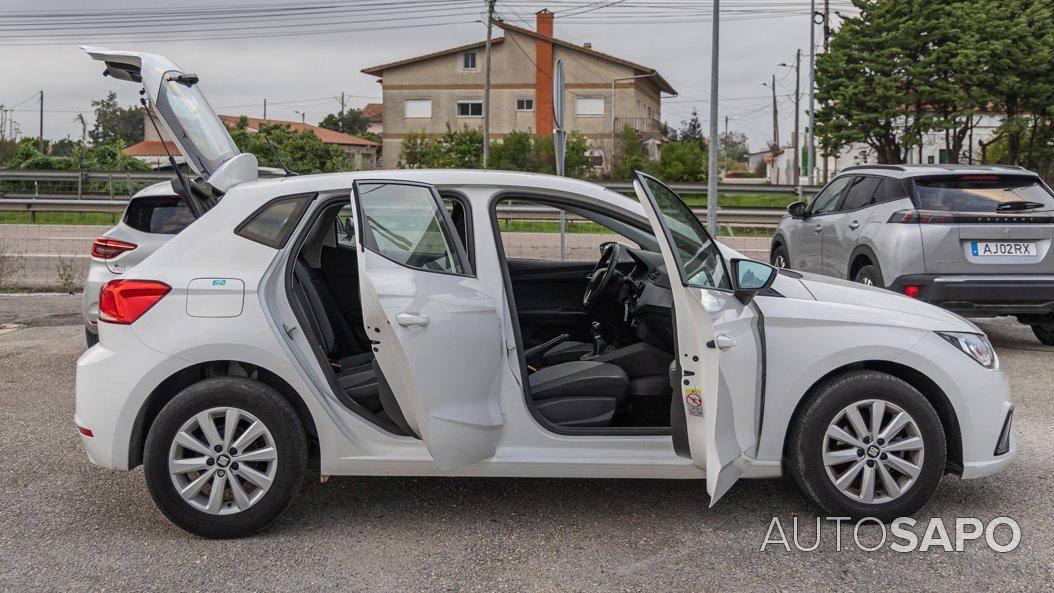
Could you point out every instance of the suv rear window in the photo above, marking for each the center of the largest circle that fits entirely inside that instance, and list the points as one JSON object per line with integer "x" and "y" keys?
{"x": 983, "y": 193}
{"x": 163, "y": 215}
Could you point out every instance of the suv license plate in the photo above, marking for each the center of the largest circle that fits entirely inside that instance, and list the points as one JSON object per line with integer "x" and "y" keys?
{"x": 1002, "y": 248}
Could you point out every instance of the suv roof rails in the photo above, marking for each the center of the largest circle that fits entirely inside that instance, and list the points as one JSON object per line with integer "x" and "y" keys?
{"x": 888, "y": 167}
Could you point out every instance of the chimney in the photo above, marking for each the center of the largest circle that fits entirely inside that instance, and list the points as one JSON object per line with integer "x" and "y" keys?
{"x": 587, "y": 45}
{"x": 543, "y": 76}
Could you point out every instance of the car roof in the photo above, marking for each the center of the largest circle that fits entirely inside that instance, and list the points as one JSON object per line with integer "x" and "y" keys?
{"x": 924, "y": 170}
{"x": 251, "y": 195}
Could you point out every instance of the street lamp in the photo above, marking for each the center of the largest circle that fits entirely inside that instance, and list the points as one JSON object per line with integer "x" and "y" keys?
{"x": 303, "y": 116}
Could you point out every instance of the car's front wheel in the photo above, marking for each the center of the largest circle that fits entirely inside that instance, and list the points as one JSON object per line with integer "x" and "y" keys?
{"x": 779, "y": 257}
{"x": 224, "y": 457}
{"x": 1044, "y": 332}
{"x": 867, "y": 444}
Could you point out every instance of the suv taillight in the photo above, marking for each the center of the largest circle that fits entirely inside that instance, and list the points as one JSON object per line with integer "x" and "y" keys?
{"x": 106, "y": 248}
{"x": 124, "y": 301}
{"x": 922, "y": 217}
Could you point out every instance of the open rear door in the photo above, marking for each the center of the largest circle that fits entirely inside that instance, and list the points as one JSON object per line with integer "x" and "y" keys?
{"x": 719, "y": 342}
{"x": 434, "y": 330}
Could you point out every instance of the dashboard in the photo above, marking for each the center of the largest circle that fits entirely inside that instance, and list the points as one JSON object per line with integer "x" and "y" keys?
{"x": 648, "y": 299}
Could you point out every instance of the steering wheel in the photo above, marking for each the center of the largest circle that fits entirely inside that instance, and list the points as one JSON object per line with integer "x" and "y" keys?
{"x": 603, "y": 273}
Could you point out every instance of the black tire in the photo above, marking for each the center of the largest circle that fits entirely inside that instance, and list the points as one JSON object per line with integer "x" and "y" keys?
{"x": 1045, "y": 333}
{"x": 253, "y": 397}
{"x": 780, "y": 259}
{"x": 869, "y": 275}
{"x": 90, "y": 337}
{"x": 804, "y": 452}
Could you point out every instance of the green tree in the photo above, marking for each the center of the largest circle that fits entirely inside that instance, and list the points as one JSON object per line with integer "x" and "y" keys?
{"x": 300, "y": 150}
{"x": 517, "y": 151}
{"x": 113, "y": 122}
{"x": 734, "y": 146}
{"x": 631, "y": 155}
{"x": 349, "y": 122}
{"x": 692, "y": 130}
{"x": 682, "y": 161}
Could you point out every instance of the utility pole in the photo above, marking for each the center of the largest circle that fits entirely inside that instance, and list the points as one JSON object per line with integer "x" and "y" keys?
{"x": 711, "y": 178}
{"x": 341, "y": 111}
{"x": 775, "y": 116}
{"x": 826, "y": 41}
{"x": 265, "y": 108}
{"x": 797, "y": 128}
{"x": 486, "y": 84}
{"x": 42, "y": 121}
{"x": 811, "y": 160}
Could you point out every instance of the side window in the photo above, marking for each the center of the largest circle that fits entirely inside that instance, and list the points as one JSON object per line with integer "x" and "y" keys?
{"x": 161, "y": 215}
{"x": 272, "y": 224}
{"x": 861, "y": 193}
{"x": 530, "y": 230}
{"x": 827, "y": 199}
{"x": 405, "y": 224}
{"x": 891, "y": 190}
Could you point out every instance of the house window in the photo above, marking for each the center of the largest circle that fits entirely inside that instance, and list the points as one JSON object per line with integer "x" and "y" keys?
{"x": 468, "y": 61}
{"x": 417, "y": 108}
{"x": 524, "y": 104}
{"x": 589, "y": 107}
{"x": 595, "y": 157}
{"x": 470, "y": 108}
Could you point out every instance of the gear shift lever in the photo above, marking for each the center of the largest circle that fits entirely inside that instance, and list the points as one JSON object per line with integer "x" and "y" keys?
{"x": 599, "y": 343}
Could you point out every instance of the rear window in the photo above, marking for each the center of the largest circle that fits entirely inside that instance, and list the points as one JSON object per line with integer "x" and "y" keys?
{"x": 163, "y": 215}
{"x": 983, "y": 193}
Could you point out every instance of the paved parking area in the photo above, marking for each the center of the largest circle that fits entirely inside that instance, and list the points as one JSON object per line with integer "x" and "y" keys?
{"x": 65, "y": 525}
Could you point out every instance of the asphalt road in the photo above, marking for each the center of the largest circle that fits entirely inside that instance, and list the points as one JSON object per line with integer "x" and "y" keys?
{"x": 65, "y": 525}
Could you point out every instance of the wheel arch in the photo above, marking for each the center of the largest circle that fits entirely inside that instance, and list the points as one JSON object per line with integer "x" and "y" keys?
{"x": 187, "y": 376}
{"x": 861, "y": 256}
{"x": 778, "y": 240}
{"x": 926, "y": 386}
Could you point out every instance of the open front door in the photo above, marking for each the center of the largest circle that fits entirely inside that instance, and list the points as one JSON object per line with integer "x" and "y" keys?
{"x": 719, "y": 341}
{"x": 434, "y": 330}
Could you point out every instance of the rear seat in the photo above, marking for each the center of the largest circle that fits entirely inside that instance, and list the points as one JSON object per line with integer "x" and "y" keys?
{"x": 355, "y": 373}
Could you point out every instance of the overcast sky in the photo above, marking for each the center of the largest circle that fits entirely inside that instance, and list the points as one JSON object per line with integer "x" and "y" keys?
{"x": 305, "y": 72}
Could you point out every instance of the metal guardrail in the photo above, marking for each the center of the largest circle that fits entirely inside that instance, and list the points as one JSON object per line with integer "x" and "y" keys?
{"x": 53, "y": 201}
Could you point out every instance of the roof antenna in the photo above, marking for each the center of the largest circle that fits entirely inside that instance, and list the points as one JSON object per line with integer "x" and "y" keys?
{"x": 195, "y": 207}
{"x": 281, "y": 164}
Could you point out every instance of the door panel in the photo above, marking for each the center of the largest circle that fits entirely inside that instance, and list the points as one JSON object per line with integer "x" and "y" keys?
{"x": 806, "y": 254}
{"x": 842, "y": 230}
{"x": 718, "y": 343}
{"x": 434, "y": 330}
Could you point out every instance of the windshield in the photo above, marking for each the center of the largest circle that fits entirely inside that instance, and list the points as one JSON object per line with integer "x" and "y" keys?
{"x": 697, "y": 253}
{"x": 983, "y": 193}
{"x": 195, "y": 125}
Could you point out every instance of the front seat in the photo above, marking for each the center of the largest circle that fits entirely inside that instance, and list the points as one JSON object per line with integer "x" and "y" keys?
{"x": 579, "y": 393}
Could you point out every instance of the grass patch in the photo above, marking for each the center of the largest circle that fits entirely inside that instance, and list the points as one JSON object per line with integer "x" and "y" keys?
{"x": 93, "y": 218}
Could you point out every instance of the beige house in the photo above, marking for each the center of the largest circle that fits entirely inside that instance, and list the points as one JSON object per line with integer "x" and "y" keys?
{"x": 445, "y": 88}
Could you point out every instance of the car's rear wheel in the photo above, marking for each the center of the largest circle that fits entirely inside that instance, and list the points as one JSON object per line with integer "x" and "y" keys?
{"x": 90, "y": 337}
{"x": 225, "y": 457}
{"x": 779, "y": 257}
{"x": 869, "y": 275}
{"x": 867, "y": 444}
{"x": 1045, "y": 333}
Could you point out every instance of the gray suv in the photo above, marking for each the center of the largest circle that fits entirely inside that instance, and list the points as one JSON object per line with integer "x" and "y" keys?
{"x": 972, "y": 239}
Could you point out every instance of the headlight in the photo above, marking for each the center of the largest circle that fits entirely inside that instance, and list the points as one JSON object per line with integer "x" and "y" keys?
{"x": 976, "y": 346}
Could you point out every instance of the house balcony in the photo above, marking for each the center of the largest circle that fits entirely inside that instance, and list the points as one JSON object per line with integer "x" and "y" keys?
{"x": 644, "y": 125}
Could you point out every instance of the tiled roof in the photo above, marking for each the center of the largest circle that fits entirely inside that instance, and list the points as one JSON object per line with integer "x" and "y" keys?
{"x": 150, "y": 148}
{"x": 372, "y": 112}
{"x": 327, "y": 136}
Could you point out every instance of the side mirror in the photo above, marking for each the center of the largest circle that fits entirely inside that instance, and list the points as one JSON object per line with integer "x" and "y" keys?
{"x": 797, "y": 209}
{"x": 750, "y": 277}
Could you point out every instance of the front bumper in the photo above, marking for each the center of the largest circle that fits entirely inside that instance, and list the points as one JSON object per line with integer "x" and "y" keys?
{"x": 983, "y": 294}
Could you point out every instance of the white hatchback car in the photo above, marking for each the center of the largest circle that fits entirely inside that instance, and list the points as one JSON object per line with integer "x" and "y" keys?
{"x": 371, "y": 323}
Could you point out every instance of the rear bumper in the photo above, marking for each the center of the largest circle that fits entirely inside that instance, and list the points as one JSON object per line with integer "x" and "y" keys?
{"x": 987, "y": 294}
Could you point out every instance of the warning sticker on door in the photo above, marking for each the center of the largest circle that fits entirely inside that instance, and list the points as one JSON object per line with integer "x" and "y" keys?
{"x": 693, "y": 397}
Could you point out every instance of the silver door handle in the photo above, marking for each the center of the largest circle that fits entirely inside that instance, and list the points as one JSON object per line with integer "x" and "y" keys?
{"x": 724, "y": 341}
{"x": 408, "y": 319}
{"x": 854, "y": 225}
{"x": 818, "y": 228}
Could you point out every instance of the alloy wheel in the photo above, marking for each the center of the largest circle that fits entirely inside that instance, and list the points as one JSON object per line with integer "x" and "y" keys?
{"x": 867, "y": 281}
{"x": 779, "y": 262}
{"x": 873, "y": 451}
{"x": 222, "y": 460}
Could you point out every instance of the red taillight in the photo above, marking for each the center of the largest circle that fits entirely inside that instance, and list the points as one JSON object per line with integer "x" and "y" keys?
{"x": 85, "y": 431}
{"x": 911, "y": 290}
{"x": 106, "y": 248}
{"x": 922, "y": 217}
{"x": 124, "y": 301}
